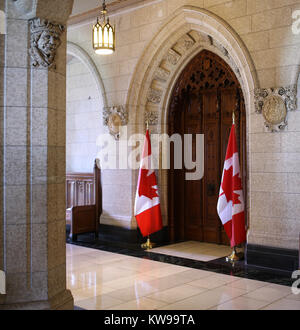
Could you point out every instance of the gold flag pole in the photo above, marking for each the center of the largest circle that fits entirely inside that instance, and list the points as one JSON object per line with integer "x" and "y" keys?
{"x": 235, "y": 256}
{"x": 148, "y": 245}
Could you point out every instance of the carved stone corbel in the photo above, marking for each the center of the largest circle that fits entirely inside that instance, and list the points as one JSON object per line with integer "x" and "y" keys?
{"x": 274, "y": 104}
{"x": 44, "y": 41}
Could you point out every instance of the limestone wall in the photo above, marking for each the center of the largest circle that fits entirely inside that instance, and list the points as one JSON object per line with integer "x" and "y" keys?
{"x": 264, "y": 30}
{"x": 84, "y": 118}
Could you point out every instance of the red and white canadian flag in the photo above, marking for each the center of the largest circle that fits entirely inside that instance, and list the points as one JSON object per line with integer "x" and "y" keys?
{"x": 231, "y": 207}
{"x": 147, "y": 202}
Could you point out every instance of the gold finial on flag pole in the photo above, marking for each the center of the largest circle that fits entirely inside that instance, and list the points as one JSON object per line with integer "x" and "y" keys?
{"x": 147, "y": 125}
{"x": 233, "y": 118}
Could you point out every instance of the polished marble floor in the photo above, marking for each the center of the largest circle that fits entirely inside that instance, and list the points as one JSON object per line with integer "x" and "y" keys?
{"x": 194, "y": 250}
{"x": 104, "y": 280}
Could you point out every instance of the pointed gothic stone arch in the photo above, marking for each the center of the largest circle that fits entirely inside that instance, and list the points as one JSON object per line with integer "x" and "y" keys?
{"x": 84, "y": 57}
{"x": 189, "y": 31}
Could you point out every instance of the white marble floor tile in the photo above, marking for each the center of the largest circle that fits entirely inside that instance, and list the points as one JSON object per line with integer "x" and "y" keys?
{"x": 136, "y": 291}
{"x": 130, "y": 281}
{"x": 211, "y": 282}
{"x": 162, "y": 272}
{"x": 195, "y": 274}
{"x": 284, "y": 304}
{"x": 241, "y": 303}
{"x": 248, "y": 285}
{"x": 293, "y": 296}
{"x": 139, "y": 304}
{"x": 207, "y": 299}
{"x": 176, "y": 294}
{"x": 268, "y": 293}
{"x": 99, "y": 302}
{"x": 282, "y": 288}
{"x": 90, "y": 292}
{"x": 105, "y": 280}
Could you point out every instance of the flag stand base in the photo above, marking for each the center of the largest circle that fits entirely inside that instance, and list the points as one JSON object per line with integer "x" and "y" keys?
{"x": 148, "y": 245}
{"x": 235, "y": 256}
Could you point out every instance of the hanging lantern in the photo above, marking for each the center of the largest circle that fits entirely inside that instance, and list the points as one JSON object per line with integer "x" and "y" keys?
{"x": 104, "y": 36}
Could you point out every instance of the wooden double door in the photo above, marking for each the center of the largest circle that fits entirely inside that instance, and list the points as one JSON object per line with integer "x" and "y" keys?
{"x": 203, "y": 101}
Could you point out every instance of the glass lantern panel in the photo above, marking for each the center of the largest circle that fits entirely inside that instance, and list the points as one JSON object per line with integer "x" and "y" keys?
{"x": 106, "y": 37}
{"x": 111, "y": 38}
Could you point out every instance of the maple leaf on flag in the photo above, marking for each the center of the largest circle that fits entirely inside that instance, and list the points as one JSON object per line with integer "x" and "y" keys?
{"x": 231, "y": 184}
{"x": 149, "y": 182}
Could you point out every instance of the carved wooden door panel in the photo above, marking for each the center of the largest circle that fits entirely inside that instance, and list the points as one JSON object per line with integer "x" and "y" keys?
{"x": 203, "y": 101}
{"x": 193, "y": 216}
{"x": 211, "y": 131}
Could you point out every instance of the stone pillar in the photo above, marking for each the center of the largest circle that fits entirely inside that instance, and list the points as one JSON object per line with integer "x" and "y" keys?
{"x": 32, "y": 219}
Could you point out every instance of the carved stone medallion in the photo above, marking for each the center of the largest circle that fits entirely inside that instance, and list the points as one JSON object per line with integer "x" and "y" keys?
{"x": 274, "y": 111}
{"x": 274, "y": 104}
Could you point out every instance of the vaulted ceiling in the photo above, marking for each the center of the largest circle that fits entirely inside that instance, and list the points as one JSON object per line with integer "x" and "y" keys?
{"x": 83, "y": 6}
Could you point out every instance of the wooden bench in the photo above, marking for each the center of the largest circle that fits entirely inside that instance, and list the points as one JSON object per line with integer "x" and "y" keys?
{"x": 84, "y": 202}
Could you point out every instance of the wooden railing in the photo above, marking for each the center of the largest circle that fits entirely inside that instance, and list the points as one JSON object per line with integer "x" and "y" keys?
{"x": 84, "y": 202}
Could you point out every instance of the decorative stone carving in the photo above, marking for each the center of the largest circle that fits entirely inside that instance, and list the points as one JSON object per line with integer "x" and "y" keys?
{"x": 161, "y": 74}
{"x": 221, "y": 48}
{"x": 154, "y": 96}
{"x": 163, "y": 69}
{"x": 114, "y": 118}
{"x": 179, "y": 49}
{"x": 121, "y": 110}
{"x": 226, "y": 54}
{"x": 186, "y": 42}
{"x": 173, "y": 57}
{"x": 45, "y": 39}
{"x": 151, "y": 118}
{"x": 288, "y": 94}
{"x": 114, "y": 124}
{"x": 274, "y": 112}
{"x": 274, "y": 103}
{"x": 259, "y": 96}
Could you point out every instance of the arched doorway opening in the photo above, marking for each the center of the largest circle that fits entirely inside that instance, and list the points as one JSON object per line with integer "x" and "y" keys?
{"x": 202, "y": 102}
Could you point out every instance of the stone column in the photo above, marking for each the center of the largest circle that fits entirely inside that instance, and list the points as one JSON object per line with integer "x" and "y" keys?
{"x": 32, "y": 220}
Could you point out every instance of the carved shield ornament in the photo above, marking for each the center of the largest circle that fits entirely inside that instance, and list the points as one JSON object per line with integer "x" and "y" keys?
{"x": 275, "y": 112}
{"x": 114, "y": 124}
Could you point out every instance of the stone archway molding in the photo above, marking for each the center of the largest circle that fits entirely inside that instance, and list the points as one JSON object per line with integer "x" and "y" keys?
{"x": 189, "y": 30}
{"x": 186, "y": 33}
{"x": 84, "y": 57}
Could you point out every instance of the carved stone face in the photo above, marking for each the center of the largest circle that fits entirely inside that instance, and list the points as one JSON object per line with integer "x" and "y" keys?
{"x": 48, "y": 42}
